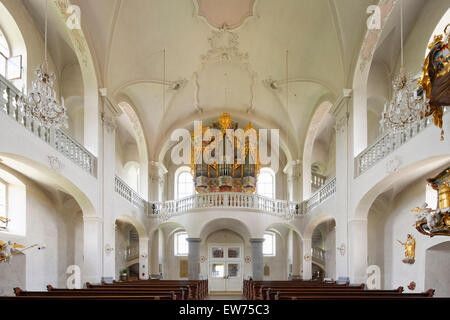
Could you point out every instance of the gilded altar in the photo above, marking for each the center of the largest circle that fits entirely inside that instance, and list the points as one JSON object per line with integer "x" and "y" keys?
{"x": 436, "y": 222}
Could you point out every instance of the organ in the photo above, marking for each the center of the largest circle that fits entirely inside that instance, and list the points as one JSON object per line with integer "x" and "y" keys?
{"x": 234, "y": 168}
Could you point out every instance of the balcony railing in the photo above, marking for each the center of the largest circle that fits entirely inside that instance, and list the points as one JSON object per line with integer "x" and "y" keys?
{"x": 317, "y": 180}
{"x": 58, "y": 139}
{"x": 321, "y": 195}
{"x": 132, "y": 252}
{"x": 225, "y": 200}
{"x": 318, "y": 255}
{"x": 129, "y": 194}
{"x": 387, "y": 143}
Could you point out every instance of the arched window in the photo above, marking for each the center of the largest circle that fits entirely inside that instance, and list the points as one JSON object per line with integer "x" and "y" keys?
{"x": 132, "y": 175}
{"x": 265, "y": 186}
{"x": 269, "y": 244}
{"x": 4, "y": 53}
{"x": 184, "y": 183}
{"x": 3, "y": 199}
{"x": 181, "y": 245}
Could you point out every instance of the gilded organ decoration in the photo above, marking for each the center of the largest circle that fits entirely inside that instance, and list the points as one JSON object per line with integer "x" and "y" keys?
{"x": 435, "y": 79}
{"x": 410, "y": 248}
{"x": 433, "y": 222}
{"x": 236, "y": 171}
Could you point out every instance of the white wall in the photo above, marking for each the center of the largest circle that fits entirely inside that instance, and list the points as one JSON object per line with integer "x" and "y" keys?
{"x": 59, "y": 228}
{"x": 391, "y": 222}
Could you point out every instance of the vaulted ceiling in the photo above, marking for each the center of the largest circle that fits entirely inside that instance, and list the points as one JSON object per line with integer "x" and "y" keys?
{"x": 241, "y": 69}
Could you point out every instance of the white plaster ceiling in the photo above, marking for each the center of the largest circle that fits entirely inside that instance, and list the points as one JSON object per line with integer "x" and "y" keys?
{"x": 127, "y": 39}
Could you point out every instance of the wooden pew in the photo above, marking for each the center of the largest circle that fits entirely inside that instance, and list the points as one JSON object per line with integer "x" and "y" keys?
{"x": 363, "y": 295}
{"x": 179, "y": 294}
{"x": 197, "y": 289}
{"x": 270, "y": 292}
{"x": 254, "y": 291}
{"x": 45, "y": 295}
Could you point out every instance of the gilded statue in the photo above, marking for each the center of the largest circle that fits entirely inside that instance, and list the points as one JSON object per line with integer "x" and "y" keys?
{"x": 9, "y": 249}
{"x": 410, "y": 248}
{"x": 434, "y": 222}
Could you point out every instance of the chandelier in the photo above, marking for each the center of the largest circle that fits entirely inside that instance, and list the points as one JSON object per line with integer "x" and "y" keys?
{"x": 41, "y": 103}
{"x": 406, "y": 106}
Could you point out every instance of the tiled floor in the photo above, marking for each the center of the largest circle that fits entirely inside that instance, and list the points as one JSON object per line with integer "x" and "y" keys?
{"x": 225, "y": 297}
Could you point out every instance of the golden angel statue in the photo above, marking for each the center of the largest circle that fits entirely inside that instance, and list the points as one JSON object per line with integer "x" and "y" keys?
{"x": 410, "y": 248}
{"x": 8, "y": 249}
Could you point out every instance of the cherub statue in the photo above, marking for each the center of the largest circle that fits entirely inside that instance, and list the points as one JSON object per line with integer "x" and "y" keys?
{"x": 7, "y": 250}
{"x": 427, "y": 213}
{"x": 410, "y": 247}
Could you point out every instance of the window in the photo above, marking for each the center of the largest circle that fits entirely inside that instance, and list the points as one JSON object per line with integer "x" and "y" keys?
{"x": 269, "y": 244}
{"x": 3, "y": 211}
{"x": 4, "y": 54}
{"x": 181, "y": 244}
{"x": 184, "y": 183}
{"x": 265, "y": 186}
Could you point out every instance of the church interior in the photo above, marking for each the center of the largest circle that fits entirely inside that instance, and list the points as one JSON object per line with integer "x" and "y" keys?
{"x": 212, "y": 149}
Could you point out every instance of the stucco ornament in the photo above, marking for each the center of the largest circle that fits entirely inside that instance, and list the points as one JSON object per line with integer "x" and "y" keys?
{"x": 108, "y": 249}
{"x": 341, "y": 249}
{"x": 55, "y": 163}
{"x": 393, "y": 164}
{"x": 224, "y": 77}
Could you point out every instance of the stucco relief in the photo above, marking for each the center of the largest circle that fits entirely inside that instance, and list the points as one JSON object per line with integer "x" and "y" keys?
{"x": 77, "y": 35}
{"x": 230, "y": 13}
{"x": 225, "y": 78}
{"x": 393, "y": 164}
{"x": 372, "y": 36}
{"x": 55, "y": 163}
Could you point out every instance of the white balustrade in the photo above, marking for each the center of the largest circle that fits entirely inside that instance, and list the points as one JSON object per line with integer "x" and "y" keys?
{"x": 387, "y": 143}
{"x": 58, "y": 139}
{"x": 317, "y": 180}
{"x": 129, "y": 194}
{"x": 132, "y": 252}
{"x": 318, "y": 254}
{"x": 225, "y": 200}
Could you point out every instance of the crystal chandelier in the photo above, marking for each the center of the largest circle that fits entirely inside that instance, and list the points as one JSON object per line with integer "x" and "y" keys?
{"x": 41, "y": 103}
{"x": 406, "y": 106}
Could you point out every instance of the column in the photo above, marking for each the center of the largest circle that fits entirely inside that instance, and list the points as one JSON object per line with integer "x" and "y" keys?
{"x": 107, "y": 176}
{"x": 307, "y": 259}
{"x": 157, "y": 173}
{"x": 92, "y": 252}
{"x": 154, "y": 258}
{"x": 344, "y": 172}
{"x": 358, "y": 251}
{"x": 143, "y": 259}
{"x": 296, "y": 255}
{"x": 257, "y": 258}
{"x": 293, "y": 171}
{"x": 91, "y": 117}
{"x": 194, "y": 258}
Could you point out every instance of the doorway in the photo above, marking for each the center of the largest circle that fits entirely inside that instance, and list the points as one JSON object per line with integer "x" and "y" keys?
{"x": 225, "y": 268}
